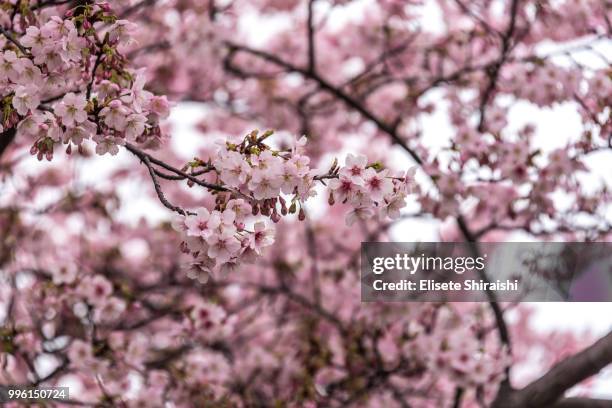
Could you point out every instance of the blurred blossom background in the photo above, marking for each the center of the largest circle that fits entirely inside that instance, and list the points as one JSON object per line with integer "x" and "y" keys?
{"x": 195, "y": 125}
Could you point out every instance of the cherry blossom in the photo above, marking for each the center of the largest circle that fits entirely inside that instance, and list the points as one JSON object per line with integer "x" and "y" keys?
{"x": 72, "y": 109}
{"x": 225, "y": 272}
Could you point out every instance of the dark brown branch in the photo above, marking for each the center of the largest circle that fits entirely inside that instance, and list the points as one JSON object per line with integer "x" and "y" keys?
{"x": 495, "y": 69}
{"x": 12, "y": 39}
{"x": 93, "y": 71}
{"x": 6, "y": 138}
{"x": 159, "y": 191}
{"x": 548, "y": 390}
{"x": 338, "y": 93}
{"x": 311, "y": 34}
{"x": 504, "y": 333}
{"x": 459, "y": 392}
{"x": 569, "y": 372}
{"x": 140, "y": 154}
{"x": 166, "y": 176}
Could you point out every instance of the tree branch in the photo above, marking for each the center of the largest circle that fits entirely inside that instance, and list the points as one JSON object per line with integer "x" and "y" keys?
{"x": 311, "y": 40}
{"x": 12, "y": 39}
{"x": 6, "y": 138}
{"x": 141, "y": 155}
{"x": 548, "y": 390}
{"x": 459, "y": 392}
{"x": 494, "y": 73}
{"x": 504, "y": 333}
{"x": 159, "y": 191}
{"x": 337, "y": 92}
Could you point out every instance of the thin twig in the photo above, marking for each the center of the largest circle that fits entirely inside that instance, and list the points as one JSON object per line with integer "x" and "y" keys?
{"x": 12, "y": 39}
{"x": 159, "y": 191}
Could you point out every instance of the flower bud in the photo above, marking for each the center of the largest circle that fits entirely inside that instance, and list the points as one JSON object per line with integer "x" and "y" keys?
{"x": 275, "y": 217}
{"x": 255, "y": 208}
{"x": 264, "y": 209}
{"x": 302, "y": 215}
{"x": 292, "y": 208}
{"x": 330, "y": 199}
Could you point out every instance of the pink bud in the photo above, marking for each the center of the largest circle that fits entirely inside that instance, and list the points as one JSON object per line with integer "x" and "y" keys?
{"x": 283, "y": 204}
{"x": 302, "y": 215}
{"x": 69, "y": 149}
{"x": 275, "y": 217}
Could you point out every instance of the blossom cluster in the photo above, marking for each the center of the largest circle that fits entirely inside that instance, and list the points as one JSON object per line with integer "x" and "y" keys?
{"x": 555, "y": 83}
{"x": 264, "y": 182}
{"x": 64, "y": 80}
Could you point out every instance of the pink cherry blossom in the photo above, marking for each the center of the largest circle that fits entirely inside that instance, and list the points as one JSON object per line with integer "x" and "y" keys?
{"x": 266, "y": 182}
{"x": 240, "y": 208}
{"x": 26, "y": 98}
{"x": 377, "y": 184}
{"x": 72, "y": 109}
{"x": 79, "y": 133}
{"x": 9, "y": 66}
{"x": 250, "y": 295}
{"x": 203, "y": 224}
{"x": 96, "y": 290}
{"x": 355, "y": 167}
{"x": 115, "y": 115}
{"x": 263, "y": 237}
{"x": 134, "y": 126}
{"x": 233, "y": 169}
{"x": 35, "y": 40}
{"x": 223, "y": 246}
